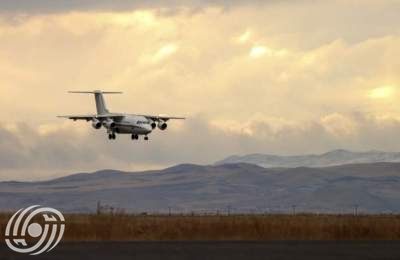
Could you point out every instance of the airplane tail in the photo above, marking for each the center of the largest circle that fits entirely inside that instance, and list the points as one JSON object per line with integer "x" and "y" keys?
{"x": 98, "y": 96}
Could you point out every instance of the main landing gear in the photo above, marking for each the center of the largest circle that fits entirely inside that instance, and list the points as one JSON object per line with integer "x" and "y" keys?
{"x": 112, "y": 136}
{"x": 136, "y": 137}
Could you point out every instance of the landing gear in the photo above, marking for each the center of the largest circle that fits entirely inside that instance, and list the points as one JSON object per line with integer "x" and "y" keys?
{"x": 112, "y": 136}
{"x": 136, "y": 137}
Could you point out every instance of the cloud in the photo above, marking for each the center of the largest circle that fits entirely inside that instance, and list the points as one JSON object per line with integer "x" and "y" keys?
{"x": 339, "y": 125}
{"x": 244, "y": 37}
{"x": 30, "y": 153}
{"x": 259, "y": 51}
{"x": 50, "y": 6}
{"x": 325, "y": 71}
{"x": 382, "y": 92}
{"x": 164, "y": 52}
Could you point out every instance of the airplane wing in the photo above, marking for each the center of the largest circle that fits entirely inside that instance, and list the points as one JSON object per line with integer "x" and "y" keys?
{"x": 79, "y": 117}
{"x": 90, "y": 117}
{"x": 162, "y": 117}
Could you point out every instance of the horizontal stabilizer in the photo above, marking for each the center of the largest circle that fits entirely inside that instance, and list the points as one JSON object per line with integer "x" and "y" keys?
{"x": 96, "y": 92}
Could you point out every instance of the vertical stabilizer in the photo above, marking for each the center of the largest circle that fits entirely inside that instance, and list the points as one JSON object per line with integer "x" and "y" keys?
{"x": 100, "y": 104}
{"x": 99, "y": 99}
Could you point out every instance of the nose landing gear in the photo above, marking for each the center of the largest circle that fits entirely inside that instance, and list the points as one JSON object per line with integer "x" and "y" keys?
{"x": 146, "y": 138}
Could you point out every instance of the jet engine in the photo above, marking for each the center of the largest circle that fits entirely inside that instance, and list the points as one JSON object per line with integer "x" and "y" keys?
{"x": 109, "y": 123}
{"x": 162, "y": 125}
{"x": 96, "y": 124}
{"x": 153, "y": 124}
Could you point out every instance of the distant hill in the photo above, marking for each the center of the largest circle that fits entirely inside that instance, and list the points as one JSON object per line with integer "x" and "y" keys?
{"x": 239, "y": 187}
{"x": 336, "y": 157}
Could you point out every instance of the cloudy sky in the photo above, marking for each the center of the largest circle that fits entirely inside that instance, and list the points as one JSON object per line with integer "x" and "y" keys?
{"x": 279, "y": 76}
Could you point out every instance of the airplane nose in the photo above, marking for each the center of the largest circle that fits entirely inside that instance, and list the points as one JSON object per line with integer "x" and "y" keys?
{"x": 148, "y": 128}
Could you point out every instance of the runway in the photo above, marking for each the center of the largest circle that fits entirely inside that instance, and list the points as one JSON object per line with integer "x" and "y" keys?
{"x": 218, "y": 250}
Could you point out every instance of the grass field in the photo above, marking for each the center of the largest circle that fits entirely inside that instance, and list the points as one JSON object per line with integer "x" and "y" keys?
{"x": 105, "y": 227}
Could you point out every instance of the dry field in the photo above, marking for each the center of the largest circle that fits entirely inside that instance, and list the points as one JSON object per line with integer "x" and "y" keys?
{"x": 121, "y": 227}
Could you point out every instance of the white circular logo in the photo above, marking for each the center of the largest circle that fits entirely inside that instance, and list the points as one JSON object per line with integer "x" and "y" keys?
{"x": 47, "y": 234}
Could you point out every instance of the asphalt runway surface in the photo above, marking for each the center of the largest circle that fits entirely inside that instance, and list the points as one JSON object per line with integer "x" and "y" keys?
{"x": 217, "y": 250}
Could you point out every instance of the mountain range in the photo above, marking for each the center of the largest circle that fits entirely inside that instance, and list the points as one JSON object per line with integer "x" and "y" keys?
{"x": 332, "y": 158}
{"x": 233, "y": 187}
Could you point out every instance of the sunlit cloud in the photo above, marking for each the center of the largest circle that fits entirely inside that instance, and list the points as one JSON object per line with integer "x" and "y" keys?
{"x": 339, "y": 125}
{"x": 260, "y": 50}
{"x": 244, "y": 37}
{"x": 11, "y": 127}
{"x": 165, "y": 51}
{"x": 144, "y": 18}
{"x": 382, "y": 92}
{"x": 233, "y": 127}
{"x": 257, "y": 125}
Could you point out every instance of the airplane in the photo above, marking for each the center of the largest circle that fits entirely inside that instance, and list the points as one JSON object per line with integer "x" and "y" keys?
{"x": 118, "y": 123}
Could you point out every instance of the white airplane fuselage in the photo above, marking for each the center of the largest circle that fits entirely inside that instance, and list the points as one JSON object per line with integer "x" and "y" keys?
{"x": 132, "y": 124}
